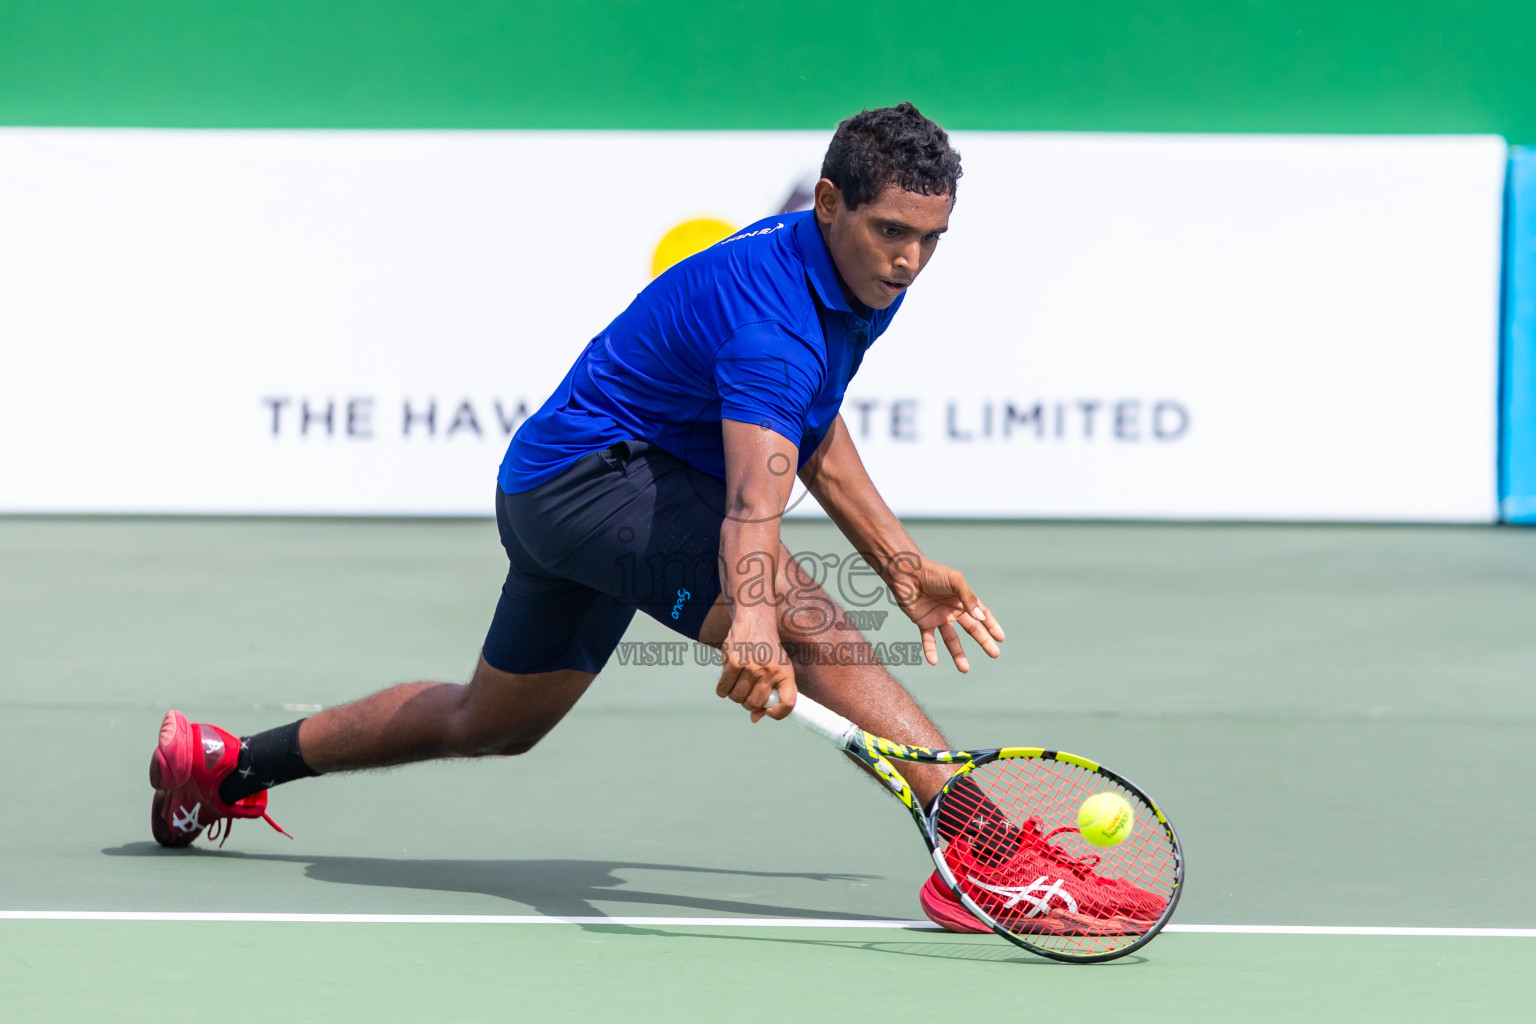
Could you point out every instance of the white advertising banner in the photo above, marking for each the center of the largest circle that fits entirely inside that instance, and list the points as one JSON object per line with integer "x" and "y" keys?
{"x": 1116, "y": 326}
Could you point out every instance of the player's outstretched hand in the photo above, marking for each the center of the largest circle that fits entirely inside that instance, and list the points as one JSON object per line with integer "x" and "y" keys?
{"x": 754, "y": 664}
{"x": 936, "y": 597}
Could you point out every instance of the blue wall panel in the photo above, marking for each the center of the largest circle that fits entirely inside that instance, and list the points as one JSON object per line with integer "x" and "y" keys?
{"x": 1517, "y": 459}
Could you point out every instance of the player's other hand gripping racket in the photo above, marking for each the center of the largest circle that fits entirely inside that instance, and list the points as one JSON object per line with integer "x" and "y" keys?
{"x": 1003, "y": 835}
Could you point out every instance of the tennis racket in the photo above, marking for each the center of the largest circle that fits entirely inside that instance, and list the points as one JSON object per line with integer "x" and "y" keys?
{"x": 1003, "y": 836}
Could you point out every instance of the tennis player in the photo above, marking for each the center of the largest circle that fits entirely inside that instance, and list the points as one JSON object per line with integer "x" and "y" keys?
{"x": 654, "y": 479}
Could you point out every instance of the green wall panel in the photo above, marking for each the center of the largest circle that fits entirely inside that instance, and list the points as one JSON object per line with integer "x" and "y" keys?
{"x": 1155, "y": 65}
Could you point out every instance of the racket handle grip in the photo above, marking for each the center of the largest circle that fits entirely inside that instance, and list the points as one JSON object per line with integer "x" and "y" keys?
{"x": 820, "y": 719}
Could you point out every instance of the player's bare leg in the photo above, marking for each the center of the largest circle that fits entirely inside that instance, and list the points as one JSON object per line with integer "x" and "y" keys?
{"x": 866, "y": 693}
{"x": 205, "y": 777}
{"x": 496, "y": 713}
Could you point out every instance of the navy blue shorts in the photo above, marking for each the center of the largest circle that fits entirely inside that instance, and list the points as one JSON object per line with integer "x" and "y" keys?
{"x": 625, "y": 529}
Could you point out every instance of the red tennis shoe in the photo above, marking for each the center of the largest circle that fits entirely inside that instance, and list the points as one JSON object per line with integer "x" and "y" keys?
{"x": 1036, "y": 889}
{"x": 944, "y": 910}
{"x": 189, "y": 764}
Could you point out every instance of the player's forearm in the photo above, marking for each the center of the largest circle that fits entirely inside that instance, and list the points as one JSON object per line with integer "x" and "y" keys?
{"x": 839, "y": 481}
{"x": 755, "y": 496}
{"x": 749, "y": 552}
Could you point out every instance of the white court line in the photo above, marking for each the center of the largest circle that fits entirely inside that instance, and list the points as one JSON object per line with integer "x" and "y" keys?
{"x": 717, "y": 922}
{"x": 1327, "y": 929}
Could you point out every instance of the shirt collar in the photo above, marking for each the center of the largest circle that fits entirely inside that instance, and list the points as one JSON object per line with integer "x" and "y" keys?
{"x": 819, "y": 267}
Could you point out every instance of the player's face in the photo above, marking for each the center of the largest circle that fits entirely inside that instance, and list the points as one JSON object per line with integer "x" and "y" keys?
{"x": 880, "y": 247}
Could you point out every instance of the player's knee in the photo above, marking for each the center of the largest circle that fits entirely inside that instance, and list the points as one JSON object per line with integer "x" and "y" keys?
{"x": 480, "y": 744}
{"x": 809, "y": 611}
{"x": 472, "y": 735}
{"x": 510, "y": 746}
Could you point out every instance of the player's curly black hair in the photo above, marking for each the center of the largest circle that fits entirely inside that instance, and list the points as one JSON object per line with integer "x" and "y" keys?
{"x": 875, "y": 149}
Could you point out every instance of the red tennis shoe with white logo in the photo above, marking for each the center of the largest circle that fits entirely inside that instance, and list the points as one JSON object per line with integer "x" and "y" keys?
{"x": 189, "y": 764}
{"x": 1032, "y": 887}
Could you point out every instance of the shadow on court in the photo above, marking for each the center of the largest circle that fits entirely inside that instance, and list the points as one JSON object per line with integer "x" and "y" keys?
{"x": 569, "y": 888}
{"x": 553, "y": 888}
{"x": 977, "y": 950}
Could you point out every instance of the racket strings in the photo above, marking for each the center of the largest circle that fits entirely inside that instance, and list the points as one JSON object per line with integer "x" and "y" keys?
{"x": 1053, "y": 791}
{"x": 1010, "y": 829}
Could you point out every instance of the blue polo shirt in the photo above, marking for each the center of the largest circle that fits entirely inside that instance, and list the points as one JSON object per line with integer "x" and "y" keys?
{"x": 754, "y": 328}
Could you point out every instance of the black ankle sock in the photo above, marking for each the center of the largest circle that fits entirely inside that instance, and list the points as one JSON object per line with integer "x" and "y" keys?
{"x": 966, "y": 810}
{"x": 267, "y": 759}
{"x": 964, "y": 803}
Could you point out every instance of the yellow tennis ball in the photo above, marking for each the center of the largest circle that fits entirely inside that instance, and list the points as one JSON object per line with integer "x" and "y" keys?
{"x": 1105, "y": 819}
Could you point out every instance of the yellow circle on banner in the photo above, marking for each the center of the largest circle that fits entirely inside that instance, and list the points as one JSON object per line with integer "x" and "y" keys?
{"x": 687, "y": 238}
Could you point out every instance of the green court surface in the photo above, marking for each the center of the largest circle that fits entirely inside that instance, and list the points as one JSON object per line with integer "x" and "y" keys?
{"x": 1339, "y": 720}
